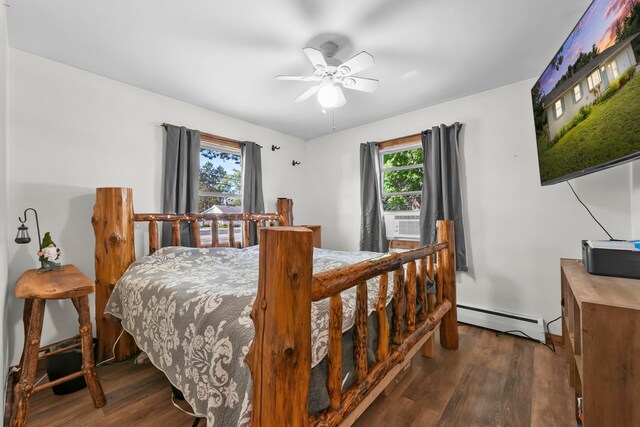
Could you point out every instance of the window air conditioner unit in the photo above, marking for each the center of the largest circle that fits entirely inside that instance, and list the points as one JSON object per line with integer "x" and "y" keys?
{"x": 406, "y": 227}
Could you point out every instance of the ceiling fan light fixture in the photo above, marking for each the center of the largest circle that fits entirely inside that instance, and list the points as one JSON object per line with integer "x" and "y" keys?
{"x": 334, "y": 75}
{"x": 328, "y": 96}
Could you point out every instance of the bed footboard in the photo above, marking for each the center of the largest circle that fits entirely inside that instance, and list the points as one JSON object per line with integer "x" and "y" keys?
{"x": 280, "y": 355}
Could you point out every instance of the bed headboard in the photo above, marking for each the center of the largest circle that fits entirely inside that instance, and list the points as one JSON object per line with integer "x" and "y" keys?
{"x": 114, "y": 223}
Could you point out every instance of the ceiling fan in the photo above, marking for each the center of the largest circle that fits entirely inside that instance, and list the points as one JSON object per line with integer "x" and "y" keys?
{"x": 331, "y": 73}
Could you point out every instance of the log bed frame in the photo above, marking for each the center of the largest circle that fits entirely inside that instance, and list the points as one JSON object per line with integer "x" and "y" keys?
{"x": 282, "y": 310}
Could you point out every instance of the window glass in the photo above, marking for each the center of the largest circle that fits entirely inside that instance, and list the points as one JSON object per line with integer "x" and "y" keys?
{"x": 577, "y": 93}
{"x": 558, "y": 106}
{"x": 406, "y": 202}
{"x": 595, "y": 77}
{"x": 220, "y": 189}
{"x": 402, "y": 174}
{"x": 614, "y": 69}
{"x": 219, "y": 177}
{"x": 402, "y": 158}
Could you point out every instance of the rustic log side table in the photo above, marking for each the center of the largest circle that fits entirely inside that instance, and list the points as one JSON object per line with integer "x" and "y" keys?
{"x": 36, "y": 289}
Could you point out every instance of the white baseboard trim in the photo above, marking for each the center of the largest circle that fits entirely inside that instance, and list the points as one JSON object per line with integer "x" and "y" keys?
{"x": 502, "y": 321}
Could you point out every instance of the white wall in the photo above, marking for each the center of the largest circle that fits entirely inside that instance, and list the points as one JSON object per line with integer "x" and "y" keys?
{"x": 4, "y": 289}
{"x": 516, "y": 230}
{"x": 72, "y": 131}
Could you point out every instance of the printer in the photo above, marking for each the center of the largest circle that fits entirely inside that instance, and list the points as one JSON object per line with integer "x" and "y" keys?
{"x": 618, "y": 258}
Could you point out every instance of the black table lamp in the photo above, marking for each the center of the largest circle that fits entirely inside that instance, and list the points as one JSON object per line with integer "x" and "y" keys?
{"x": 22, "y": 238}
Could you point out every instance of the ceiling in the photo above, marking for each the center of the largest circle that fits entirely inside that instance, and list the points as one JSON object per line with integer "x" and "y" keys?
{"x": 224, "y": 56}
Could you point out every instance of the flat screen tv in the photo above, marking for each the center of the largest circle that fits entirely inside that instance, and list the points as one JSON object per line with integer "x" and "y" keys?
{"x": 586, "y": 104}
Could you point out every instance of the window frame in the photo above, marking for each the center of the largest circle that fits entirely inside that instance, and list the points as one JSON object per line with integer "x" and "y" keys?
{"x": 223, "y": 147}
{"x": 590, "y": 79}
{"x": 396, "y": 146}
{"x": 577, "y": 96}
{"x": 614, "y": 69}
{"x": 557, "y": 104}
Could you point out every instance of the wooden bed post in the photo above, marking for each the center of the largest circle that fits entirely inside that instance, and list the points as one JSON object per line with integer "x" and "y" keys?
{"x": 285, "y": 210}
{"x": 280, "y": 355}
{"x": 113, "y": 223}
{"x": 449, "y": 327}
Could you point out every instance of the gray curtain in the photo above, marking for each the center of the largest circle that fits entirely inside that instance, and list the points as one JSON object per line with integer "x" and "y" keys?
{"x": 373, "y": 236}
{"x": 441, "y": 198}
{"x": 252, "y": 198}
{"x": 181, "y": 179}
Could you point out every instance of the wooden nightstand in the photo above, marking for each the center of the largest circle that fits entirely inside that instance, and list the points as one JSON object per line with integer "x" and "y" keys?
{"x": 36, "y": 289}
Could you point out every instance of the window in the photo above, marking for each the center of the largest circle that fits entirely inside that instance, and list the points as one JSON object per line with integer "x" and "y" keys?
{"x": 402, "y": 172}
{"x": 220, "y": 186}
{"x": 594, "y": 79}
{"x": 220, "y": 183}
{"x": 559, "y": 108}
{"x": 614, "y": 69}
{"x": 577, "y": 93}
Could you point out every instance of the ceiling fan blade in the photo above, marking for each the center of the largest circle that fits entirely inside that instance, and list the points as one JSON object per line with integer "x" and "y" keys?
{"x": 341, "y": 99}
{"x": 360, "y": 83}
{"x": 315, "y": 57}
{"x": 299, "y": 78}
{"x": 308, "y": 94}
{"x": 357, "y": 63}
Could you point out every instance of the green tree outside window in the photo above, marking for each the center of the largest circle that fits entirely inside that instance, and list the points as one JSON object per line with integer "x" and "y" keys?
{"x": 402, "y": 173}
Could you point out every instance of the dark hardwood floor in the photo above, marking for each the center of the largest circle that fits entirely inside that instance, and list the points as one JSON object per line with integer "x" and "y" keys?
{"x": 489, "y": 381}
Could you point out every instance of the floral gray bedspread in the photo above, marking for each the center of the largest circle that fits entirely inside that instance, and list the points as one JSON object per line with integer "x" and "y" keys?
{"x": 188, "y": 309}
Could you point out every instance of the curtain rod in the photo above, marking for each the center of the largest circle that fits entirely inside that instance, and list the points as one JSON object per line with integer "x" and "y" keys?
{"x": 209, "y": 135}
{"x": 414, "y": 135}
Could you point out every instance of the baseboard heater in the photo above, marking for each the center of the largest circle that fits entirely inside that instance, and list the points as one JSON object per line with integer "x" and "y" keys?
{"x": 503, "y": 321}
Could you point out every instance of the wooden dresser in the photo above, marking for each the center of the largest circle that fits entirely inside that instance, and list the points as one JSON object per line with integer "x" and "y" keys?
{"x": 601, "y": 332}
